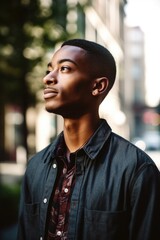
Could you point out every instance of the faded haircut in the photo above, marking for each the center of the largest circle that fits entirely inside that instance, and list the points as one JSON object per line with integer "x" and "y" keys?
{"x": 100, "y": 55}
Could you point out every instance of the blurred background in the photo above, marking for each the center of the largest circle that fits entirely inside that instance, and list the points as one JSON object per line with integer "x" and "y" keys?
{"x": 30, "y": 31}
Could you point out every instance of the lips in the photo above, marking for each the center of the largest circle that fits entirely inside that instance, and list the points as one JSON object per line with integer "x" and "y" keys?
{"x": 49, "y": 93}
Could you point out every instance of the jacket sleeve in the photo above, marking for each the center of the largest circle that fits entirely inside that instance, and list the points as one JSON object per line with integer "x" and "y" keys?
{"x": 145, "y": 204}
{"x": 25, "y": 200}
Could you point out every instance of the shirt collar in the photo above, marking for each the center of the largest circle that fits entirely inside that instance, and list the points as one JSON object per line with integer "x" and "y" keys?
{"x": 93, "y": 146}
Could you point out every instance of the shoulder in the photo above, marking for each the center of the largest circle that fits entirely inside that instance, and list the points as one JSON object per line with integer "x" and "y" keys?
{"x": 43, "y": 156}
{"x": 119, "y": 149}
{"x": 40, "y": 156}
{"x": 129, "y": 152}
{"x": 132, "y": 162}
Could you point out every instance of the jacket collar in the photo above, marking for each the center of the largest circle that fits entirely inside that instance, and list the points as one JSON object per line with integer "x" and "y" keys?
{"x": 93, "y": 146}
{"x": 97, "y": 141}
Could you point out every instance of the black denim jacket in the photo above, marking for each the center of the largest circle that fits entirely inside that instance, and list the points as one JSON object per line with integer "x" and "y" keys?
{"x": 116, "y": 194}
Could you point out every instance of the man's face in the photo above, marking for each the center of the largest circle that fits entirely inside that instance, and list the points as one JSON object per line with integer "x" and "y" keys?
{"x": 68, "y": 83}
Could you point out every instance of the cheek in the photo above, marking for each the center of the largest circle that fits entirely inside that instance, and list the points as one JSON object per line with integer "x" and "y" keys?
{"x": 77, "y": 92}
{"x": 82, "y": 86}
{"x": 76, "y": 86}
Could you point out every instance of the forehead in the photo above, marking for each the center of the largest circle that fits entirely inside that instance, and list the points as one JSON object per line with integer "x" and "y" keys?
{"x": 73, "y": 53}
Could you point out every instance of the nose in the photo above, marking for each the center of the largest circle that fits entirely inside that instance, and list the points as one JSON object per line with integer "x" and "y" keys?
{"x": 49, "y": 79}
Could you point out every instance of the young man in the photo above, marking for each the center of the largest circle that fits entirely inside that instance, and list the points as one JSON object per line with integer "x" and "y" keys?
{"x": 89, "y": 183}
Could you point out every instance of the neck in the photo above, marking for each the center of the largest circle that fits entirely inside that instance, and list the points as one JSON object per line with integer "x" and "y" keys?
{"x": 78, "y": 131}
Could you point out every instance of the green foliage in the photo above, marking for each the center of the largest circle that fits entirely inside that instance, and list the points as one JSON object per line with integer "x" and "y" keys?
{"x": 27, "y": 29}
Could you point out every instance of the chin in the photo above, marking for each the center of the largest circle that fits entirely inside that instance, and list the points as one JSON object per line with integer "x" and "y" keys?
{"x": 50, "y": 109}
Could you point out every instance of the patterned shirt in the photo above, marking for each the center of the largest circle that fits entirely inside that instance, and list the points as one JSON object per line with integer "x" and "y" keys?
{"x": 60, "y": 202}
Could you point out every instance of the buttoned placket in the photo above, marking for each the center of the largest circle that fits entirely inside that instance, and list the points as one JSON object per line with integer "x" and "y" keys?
{"x": 65, "y": 194}
{"x": 46, "y": 197}
{"x": 75, "y": 197}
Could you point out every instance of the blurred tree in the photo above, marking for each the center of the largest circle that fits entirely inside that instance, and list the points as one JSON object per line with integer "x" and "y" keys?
{"x": 27, "y": 29}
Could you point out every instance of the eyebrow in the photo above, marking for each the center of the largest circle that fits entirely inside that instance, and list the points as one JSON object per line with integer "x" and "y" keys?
{"x": 63, "y": 60}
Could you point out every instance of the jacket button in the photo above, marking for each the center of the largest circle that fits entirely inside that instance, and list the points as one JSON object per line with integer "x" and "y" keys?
{"x": 41, "y": 238}
{"x": 45, "y": 200}
{"x": 54, "y": 165}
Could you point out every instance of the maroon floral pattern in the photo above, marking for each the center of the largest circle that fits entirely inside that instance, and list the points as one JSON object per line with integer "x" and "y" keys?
{"x": 60, "y": 205}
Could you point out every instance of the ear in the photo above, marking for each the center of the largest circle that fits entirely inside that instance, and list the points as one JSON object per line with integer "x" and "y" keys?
{"x": 100, "y": 86}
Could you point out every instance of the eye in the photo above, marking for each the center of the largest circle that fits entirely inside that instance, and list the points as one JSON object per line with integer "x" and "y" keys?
{"x": 47, "y": 72}
{"x": 65, "y": 68}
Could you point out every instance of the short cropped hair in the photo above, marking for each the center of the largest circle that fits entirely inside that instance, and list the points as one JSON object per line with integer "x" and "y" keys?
{"x": 100, "y": 55}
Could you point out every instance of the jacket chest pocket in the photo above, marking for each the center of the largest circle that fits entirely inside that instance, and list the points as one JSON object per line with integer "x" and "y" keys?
{"x": 104, "y": 225}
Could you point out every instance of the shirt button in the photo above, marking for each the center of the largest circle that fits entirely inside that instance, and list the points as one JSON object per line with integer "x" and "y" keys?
{"x": 45, "y": 200}
{"x": 66, "y": 190}
{"x": 54, "y": 165}
{"x": 64, "y": 170}
{"x": 59, "y": 233}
